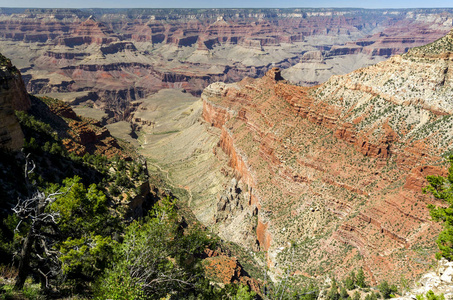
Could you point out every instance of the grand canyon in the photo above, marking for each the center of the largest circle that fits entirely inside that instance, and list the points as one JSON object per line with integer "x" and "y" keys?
{"x": 113, "y": 57}
{"x": 304, "y": 136}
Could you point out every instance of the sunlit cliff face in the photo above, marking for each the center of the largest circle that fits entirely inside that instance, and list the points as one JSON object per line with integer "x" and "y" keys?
{"x": 121, "y": 58}
{"x": 338, "y": 169}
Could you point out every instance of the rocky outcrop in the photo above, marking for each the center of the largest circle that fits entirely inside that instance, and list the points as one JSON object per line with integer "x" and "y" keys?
{"x": 88, "y": 32}
{"x": 439, "y": 281}
{"x": 216, "y": 116}
{"x": 339, "y": 168}
{"x": 118, "y": 47}
{"x": 79, "y": 135}
{"x": 224, "y": 268}
{"x": 13, "y": 96}
{"x": 230, "y": 200}
{"x": 128, "y": 56}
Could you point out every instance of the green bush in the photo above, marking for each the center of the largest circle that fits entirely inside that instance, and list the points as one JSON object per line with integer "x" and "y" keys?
{"x": 343, "y": 293}
{"x": 85, "y": 226}
{"x": 386, "y": 290}
{"x": 333, "y": 292}
{"x": 360, "y": 279}
{"x": 442, "y": 188}
{"x": 371, "y": 296}
{"x": 156, "y": 258}
{"x": 431, "y": 296}
{"x": 350, "y": 281}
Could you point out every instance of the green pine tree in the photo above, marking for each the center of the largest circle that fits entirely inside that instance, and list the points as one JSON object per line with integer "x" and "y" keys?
{"x": 343, "y": 293}
{"x": 350, "y": 281}
{"x": 360, "y": 279}
{"x": 442, "y": 188}
{"x": 333, "y": 292}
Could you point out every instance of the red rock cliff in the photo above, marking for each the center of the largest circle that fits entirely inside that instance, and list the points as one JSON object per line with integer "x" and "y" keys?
{"x": 338, "y": 170}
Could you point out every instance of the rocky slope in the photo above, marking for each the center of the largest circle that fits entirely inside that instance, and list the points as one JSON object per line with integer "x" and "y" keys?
{"x": 338, "y": 169}
{"x": 49, "y": 125}
{"x": 63, "y": 129}
{"x": 439, "y": 281}
{"x": 79, "y": 135}
{"x": 124, "y": 55}
{"x": 13, "y": 96}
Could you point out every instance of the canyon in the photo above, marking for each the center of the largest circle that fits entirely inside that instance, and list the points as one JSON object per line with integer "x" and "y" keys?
{"x": 318, "y": 179}
{"x": 108, "y": 58}
{"x": 80, "y": 141}
{"x": 309, "y": 173}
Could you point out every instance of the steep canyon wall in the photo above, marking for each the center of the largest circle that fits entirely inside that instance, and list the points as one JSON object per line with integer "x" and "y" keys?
{"x": 338, "y": 169}
{"x": 126, "y": 55}
{"x": 13, "y": 96}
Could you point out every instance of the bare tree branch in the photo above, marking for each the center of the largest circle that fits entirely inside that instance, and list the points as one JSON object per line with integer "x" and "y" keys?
{"x": 37, "y": 243}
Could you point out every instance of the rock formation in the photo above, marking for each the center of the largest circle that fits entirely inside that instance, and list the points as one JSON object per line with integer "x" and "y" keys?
{"x": 13, "y": 96}
{"x": 338, "y": 168}
{"x": 125, "y": 55}
{"x": 79, "y": 135}
{"x": 438, "y": 281}
{"x": 230, "y": 201}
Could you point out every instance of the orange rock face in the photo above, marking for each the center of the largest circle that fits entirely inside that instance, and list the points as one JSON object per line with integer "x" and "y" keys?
{"x": 223, "y": 268}
{"x": 86, "y": 135}
{"x": 122, "y": 57}
{"x": 226, "y": 269}
{"x": 339, "y": 179}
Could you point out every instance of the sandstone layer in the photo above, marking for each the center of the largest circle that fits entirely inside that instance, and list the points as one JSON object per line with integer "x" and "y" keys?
{"x": 120, "y": 56}
{"x": 335, "y": 172}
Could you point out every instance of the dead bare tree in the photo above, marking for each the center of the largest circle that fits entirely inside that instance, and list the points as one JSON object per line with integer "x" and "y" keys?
{"x": 36, "y": 255}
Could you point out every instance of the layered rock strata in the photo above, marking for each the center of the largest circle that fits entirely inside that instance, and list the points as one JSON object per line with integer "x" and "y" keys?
{"x": 122, "y": 56}
{"x": 338, "y": 169}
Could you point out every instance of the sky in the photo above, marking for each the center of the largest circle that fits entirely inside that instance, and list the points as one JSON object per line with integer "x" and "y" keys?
{"x": 224, "y": 3}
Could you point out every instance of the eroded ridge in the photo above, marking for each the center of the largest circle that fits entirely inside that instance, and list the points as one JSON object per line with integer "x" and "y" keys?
{"x": 336, "y": 171}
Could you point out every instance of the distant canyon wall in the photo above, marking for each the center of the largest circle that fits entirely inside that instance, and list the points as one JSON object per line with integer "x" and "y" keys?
{"x": 125, "y": 55}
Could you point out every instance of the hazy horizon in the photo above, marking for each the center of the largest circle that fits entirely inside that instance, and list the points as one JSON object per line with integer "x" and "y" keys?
{"x": 385, "y": 4}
